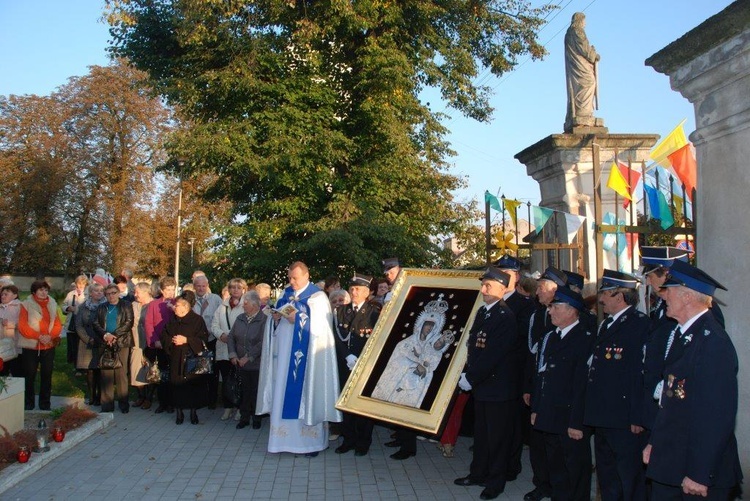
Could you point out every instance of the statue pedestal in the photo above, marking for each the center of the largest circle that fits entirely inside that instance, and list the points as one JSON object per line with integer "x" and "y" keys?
{"x": 563, "y": 166}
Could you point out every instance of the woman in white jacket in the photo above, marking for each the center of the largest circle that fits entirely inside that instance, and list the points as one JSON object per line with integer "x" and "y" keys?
{"x": 223, "y": 321}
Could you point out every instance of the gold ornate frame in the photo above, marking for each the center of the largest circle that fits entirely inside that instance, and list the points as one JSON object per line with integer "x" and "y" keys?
{"x": 412, "y": 292}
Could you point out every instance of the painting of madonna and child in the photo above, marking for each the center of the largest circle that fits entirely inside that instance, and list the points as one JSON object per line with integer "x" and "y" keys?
{"x": 411, "y": 365}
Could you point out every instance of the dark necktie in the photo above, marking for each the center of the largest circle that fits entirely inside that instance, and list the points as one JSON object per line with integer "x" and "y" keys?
{"x": 355, "y": 309}
{"x": 605, "y": 325}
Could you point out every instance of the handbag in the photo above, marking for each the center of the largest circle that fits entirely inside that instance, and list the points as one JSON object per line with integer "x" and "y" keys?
{"x": 139, "y": 367}
{"x": 155, "y": 375}
{"x": 109, "y": 358}
{"x": 198, "y": 364}
{"x": 232, "y": 387}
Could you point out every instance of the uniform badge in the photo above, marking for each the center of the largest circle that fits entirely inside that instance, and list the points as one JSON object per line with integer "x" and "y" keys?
{"x": 481, "y": 340}
{"x": 679, "y": 391}
{"x": 670, "y": 384}
{"x": 687, "y": 339}
{"x": 618, "y": 353}
{"x": 608, "y": 355}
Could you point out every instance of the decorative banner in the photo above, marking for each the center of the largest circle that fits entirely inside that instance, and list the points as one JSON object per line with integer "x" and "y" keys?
{"x": 610, "y": 239}
{"x": 685, "y": 165}
{"x": 620, "y": 244}
{"x": 673, "y": 142}
{"x": 653, "y": 201}
{"x": 511, "y": 206}
{"x": 665, "y": 212}
{"x": 541, "y": 216}
{"x": 572, "y": 223}
{"x": 492, "y": 199}
{"x": 617, "y": 182}
{"x": 679, "y": 204}
{"x": 631, "y": 177}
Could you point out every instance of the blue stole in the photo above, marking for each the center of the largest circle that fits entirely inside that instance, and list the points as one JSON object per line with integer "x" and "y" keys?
{"x": 300, "y": 344}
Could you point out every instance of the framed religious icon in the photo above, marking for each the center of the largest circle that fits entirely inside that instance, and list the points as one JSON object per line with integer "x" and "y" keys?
{"x": 408, "y": 371}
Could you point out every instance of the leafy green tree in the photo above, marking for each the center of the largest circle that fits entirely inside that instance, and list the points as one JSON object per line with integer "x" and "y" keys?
{"x": 309, "y": 114}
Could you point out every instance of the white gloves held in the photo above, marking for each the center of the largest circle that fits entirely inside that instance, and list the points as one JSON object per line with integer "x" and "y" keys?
{"x": 463, "y": 383}
{"x": 351, "y": 361}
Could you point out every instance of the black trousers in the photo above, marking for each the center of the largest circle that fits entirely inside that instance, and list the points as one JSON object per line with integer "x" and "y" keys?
{"x": 569, "y": 466}
{"x": 357, "y": 432}
{"x": 72, "y": 350}
{"x": 516, "y": 446}
{"x": 408, "y": 440}
{"x": 220, "y": 367}
{"x": 619, "y": 464}
{"x": 494, "y": 428}
{"x": 249, "y": 395}
{"x": 538, "y": 460}
{"x": 114, "y": 383}
{"x": 44, "y": 360}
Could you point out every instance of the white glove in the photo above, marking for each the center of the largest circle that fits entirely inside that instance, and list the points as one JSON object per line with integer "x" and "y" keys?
{"x": 351, "y": 361}
{"x": 463, "y": 383}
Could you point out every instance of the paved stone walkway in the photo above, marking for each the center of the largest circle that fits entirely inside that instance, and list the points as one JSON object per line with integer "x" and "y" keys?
{"x": 143, "y": 455}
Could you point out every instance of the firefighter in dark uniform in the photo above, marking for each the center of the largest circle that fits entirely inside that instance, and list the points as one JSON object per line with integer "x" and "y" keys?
{"x": 614, "y": 391}
{"x": 539, "y": 326}
{"x": 692, "y": 450}
{"x": 489, "y": 376}
{"x": 522, "y": 307}
{"x": 656, "y": 262}
{"x": 558, "y": 398}
{"x": 354, "y": 323}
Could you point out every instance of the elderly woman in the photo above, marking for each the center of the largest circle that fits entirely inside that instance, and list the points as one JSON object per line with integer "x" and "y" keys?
{"x": 88, "y": 342}
{"x": 143, "y": 299}
{"x": 10, "y": 308}
{"x": 245, "y": 343}
{"x": 114, "y": 326}
{"x": 40, "y": 329}
{"x": 70, "y": 305}
{"x": 159, "y": 313}
{"x": 338, "y": 298}
{"x": 224, "y": 319}
{"x": 186, "y": 333}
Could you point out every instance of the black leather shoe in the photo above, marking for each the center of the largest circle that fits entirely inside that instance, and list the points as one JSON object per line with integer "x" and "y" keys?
{"x": 170, "y": 410}
{"x": 256, "y": 424}
{"x": 467, "y": 481}
{"x": 393, "y": 443}
{"x": 312, "y": 454}
{"x": 193, "y": 417}
{"x": 360, "y": 452}
{"x": 242, "y": 424}
{"x": 401, "y": 455}
{"x": 180, "y": 418}
{"x": 125, "y": 410}
{"x": 160, "y": 409}
{"x": 44, "y": 407}
{"x": 536, "y": 495}
{"x": 28, "y": 407}
{"x": 488, "y": 493}
{"x": 343, "y": 449}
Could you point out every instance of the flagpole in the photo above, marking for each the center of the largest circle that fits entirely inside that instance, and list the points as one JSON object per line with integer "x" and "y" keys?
{"x": 632, "y": 203}
{"x": 487, "y": 230}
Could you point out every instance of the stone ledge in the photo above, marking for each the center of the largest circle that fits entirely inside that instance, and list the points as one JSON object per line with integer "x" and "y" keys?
{"x": 16, "y": 472}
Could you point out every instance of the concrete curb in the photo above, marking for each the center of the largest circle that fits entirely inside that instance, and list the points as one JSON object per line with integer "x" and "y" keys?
{"x": 16, "y": 472}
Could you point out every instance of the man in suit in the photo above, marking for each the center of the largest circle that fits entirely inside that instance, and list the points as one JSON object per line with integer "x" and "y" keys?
{"x": 539, "y": 325}
{"x": 522, "y": 307}
{"x": 692, "y": 451}
{"x": 354, "y": 323}
{"x": 558, "y": 398}
{"x": 489, "y": 376}
{"x": 614, "y": 392}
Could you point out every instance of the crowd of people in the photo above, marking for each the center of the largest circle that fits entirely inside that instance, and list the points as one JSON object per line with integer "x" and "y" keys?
{"x": 654, "y": 385}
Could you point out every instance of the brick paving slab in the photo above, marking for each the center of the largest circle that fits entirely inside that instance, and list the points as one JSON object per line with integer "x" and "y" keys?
{"x": 146, "y": 456}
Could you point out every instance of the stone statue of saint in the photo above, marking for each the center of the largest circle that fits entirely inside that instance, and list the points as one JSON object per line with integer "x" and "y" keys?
{"x": 580, "y": 75}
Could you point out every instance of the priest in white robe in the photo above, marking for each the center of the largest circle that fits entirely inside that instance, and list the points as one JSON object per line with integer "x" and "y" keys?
{"x": 299, "y": 382}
